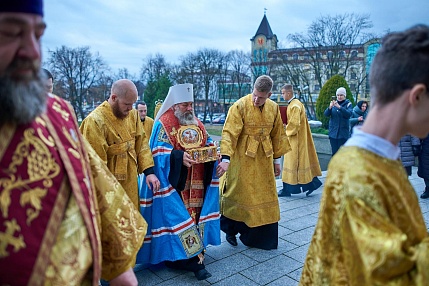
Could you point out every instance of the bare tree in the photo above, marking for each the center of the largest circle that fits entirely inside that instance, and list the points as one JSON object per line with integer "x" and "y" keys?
{"x": 336, "y": 36}
{"x": 223, "y": 82}
{"x": 154, "y": 67}
{"x": 78, "y": 70}
{"x": 208, "y": 62}
{"x": 240, "y": 63}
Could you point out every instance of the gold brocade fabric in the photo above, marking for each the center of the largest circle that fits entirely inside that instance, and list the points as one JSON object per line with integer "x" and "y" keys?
{"x": 252, "y": 138}
{"x": 122, "y": 226}
{"x": 147, "y": 127}
{"x": 121, "y": 144}
{"x": 43, "y": 178}
{"x": 301, "y": 164}
{"x": 370, "y": 229}
{"x": 71, "y": 255}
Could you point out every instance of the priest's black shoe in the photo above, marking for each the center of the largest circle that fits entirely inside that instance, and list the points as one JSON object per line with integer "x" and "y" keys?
{"x": 202, "y": 274}
{"x": 309, "y": 192}
{"x": 231, "y": 240}
{"x": 283, "y": 193}
{"x": 425, "y": 194}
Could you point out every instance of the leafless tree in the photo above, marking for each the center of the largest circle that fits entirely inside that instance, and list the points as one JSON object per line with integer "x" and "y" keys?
{"x": 154, "y": 67}
{"x": 240, "y": 72}
{"x": 336, "y": 36}
{"x": 78, "y": 70}
{"x": 208, "y": 62}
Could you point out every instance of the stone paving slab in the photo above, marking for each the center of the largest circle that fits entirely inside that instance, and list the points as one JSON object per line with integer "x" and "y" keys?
{"x": 242, "y": 265}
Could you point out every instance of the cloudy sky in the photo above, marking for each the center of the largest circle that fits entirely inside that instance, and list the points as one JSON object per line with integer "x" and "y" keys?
{"x": 124, "y": 32}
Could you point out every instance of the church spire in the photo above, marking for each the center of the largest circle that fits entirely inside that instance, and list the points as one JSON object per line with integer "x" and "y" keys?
{"x": 264, "y": 28}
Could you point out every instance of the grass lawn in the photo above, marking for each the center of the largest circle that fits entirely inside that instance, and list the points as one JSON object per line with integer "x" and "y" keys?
{"x": 214, "y": 129}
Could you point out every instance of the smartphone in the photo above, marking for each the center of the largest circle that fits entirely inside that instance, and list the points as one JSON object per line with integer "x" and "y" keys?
{"x": 334, "y": 97}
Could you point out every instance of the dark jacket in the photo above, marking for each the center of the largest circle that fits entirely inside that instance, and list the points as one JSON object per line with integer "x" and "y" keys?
{"x": 423, "y": 171}
{"x": 407, "y": 153}
{"x": 356, "y": 113}
{"x": 339, "y": 119}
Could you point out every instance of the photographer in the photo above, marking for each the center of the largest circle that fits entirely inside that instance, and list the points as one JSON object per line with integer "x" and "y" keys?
{"x": 340, "y": 109}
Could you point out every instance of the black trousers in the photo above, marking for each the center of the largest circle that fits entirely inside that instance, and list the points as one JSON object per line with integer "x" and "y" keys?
{"x": 190, "y": 264}
{"x": 263, "y": 237}
{"x": 336, "y": 144}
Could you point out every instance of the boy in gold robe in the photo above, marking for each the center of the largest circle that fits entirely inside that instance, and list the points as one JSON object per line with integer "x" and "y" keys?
{"x": 253, "y": 140}
{"x": 371, "y": 229}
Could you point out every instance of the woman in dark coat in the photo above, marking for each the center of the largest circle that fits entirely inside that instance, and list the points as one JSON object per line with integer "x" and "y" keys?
{"x": 409, "y": 146}
{"x": 423, "y": 171}
{"x": 359, "y": 114}
{"x": 339, "y": 112}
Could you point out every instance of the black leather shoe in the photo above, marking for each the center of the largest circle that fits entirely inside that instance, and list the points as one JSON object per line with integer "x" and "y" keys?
{"x": 284, "y": 194}
{"x": 231, "y": 240}
{"x": 309, "y": 192}
{"x": 425, "y": 194}
{"x": 202, "y": 274}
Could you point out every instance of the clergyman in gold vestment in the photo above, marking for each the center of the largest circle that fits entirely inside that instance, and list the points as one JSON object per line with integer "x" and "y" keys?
{"x": 64, "y": 218}
{"x": 370, "y": 229}
{"x": 300, "y": 166}
{"x": 146, "y": 121}
{"x": 114, "y": 131}
{"x": 253, "y": 140}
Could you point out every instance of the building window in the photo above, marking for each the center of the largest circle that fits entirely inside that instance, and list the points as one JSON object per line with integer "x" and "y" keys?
{"x": 285, "y": 57}
{"x": 330, "y": 55}
{"x": 342, "y": 54}
{"x": 353, "y": 75}
{"x": 274, "y": 57}
{"x": 316, "y": 87}
{"x": 354, "y": 54}
{"x": 318, "y": 55}
{"x": 353, "y": 87}
{"x": 295, "y": 57}
{"x": 306, "y": 56}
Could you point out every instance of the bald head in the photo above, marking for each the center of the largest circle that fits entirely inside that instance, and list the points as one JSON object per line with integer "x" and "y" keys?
{"x": 122, "y": 97}
{"x": 124, "y": 88}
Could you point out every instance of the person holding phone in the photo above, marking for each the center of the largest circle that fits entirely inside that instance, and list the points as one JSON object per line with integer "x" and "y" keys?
{"x": 339, "y": 110}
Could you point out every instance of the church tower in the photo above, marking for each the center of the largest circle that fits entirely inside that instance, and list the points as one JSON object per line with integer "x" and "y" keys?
{"x": 262, "y": 43}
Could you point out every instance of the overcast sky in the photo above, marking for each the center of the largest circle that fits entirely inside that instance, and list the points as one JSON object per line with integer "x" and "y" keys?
{"x": 125, "y": 32}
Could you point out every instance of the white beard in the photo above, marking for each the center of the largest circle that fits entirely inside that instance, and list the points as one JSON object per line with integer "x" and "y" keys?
{"x": 185, "y": 118}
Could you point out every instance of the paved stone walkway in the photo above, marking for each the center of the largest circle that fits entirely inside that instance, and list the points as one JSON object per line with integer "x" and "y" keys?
{"x": 242, "y": 265}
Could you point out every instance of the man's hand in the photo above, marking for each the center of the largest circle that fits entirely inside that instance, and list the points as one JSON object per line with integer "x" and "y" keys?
{"x": 187, "y": 160}
{"x": 128, "y": 278}
{"x": 221, "y": 168}
{"x": 153, "y": 182}
{"x": 277, "y": 170}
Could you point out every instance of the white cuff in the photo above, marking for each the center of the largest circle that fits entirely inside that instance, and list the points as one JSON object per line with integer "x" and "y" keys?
{"x": 225, "y": 160}
{"x": 277, "y": 161}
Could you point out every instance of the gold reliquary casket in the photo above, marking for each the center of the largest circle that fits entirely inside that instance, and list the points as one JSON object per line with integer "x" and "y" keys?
{"x": 204, "y": 154}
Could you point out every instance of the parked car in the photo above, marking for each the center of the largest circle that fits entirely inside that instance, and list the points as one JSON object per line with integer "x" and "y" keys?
{"x": 219, "y": 120}
{"x": 200, "y": 117}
